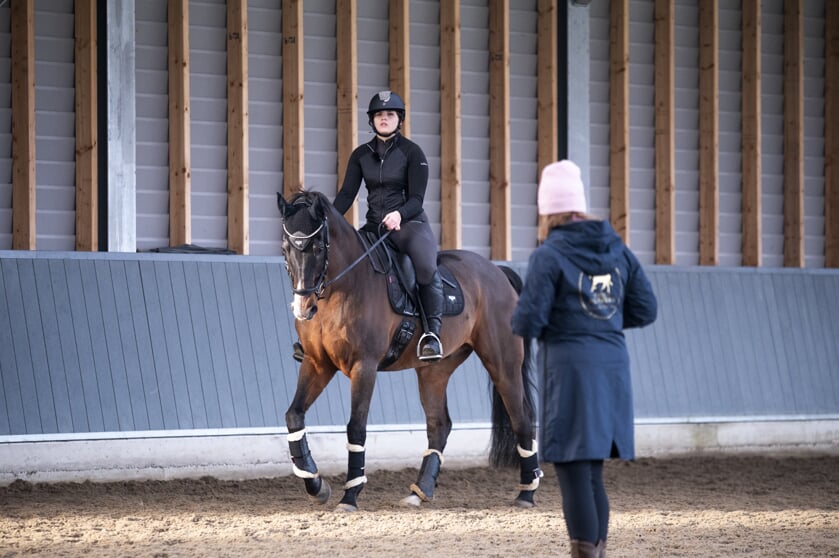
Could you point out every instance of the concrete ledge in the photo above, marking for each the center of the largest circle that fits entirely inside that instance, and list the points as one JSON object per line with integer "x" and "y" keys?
{"x": 233, "y": 455}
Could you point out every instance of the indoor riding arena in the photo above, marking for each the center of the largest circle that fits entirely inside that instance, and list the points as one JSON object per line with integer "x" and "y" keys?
{"x": 146, "y": 329}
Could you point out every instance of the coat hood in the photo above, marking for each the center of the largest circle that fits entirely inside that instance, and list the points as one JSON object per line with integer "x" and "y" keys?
{"x": 592, "y": 245}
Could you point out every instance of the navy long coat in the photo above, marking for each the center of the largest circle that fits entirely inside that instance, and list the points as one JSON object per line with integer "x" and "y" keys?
{"x": 583, "y": 287}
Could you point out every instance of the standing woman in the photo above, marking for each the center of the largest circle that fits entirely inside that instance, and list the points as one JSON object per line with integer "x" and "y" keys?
{"x": 583, "y": 287}
{"x": 395, "y": 172}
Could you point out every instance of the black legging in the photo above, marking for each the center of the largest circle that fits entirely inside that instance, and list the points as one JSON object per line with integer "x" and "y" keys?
{"x": 416, "y": 239}
{"x": 584, "y": 500}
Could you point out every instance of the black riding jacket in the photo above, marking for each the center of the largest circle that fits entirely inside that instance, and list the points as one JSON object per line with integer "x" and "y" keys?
{"x": 395, "y": 173}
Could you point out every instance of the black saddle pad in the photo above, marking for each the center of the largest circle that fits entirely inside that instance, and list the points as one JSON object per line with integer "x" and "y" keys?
{"x": 401, "y": 279}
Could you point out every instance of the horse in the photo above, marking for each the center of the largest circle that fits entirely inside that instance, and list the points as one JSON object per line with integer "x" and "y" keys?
{"x": 344, "y": 322}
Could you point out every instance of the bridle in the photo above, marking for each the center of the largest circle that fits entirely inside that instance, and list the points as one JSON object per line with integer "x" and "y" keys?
{"x": 302, "y": 243}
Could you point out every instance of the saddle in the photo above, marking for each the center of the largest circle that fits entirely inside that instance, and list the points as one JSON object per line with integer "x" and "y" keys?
{"x": 402, "y": 293}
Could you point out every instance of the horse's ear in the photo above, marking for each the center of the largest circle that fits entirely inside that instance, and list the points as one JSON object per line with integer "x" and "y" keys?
{"x": 282, "y": 204}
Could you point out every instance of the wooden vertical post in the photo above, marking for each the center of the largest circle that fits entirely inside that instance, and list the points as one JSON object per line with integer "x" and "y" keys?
{"x": 619, "y": 117}
{"x": 346, "y": 35}
{"x": 23, "y": 124}
{"x": 450, "y": 126}
{"x": 831, "y": 134}
{"x": 499, "y": 129}
{"x": 293, "y": 149}
{"x": 793, "y": 134}
{"x": 180, "y": 166}
{"x": 752, "y": 151}
{"x": 238, "y": 209}
{"x": 665, "y": 133}
{"x": 399, "y": 53}
{"x": 709, "y": 132}
{"x": 87, "y": 140}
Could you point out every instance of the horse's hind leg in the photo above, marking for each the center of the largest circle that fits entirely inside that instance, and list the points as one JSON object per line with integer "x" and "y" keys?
{"x": 433, "y": 381}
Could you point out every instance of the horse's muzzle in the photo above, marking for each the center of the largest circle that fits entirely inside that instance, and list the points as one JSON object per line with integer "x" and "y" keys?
{"x": 304, "y": 307}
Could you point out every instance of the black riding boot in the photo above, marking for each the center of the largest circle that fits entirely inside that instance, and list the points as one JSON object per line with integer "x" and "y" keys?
{"x": 431, "y": 296}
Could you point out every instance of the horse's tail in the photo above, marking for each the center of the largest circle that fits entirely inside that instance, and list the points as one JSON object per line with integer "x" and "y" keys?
{"x": 503, "y": 441}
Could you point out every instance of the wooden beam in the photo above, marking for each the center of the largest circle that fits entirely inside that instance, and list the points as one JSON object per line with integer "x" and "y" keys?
{"x": 399, "y": 53}
{"x": 752, "y": 152}
{"x": 831, "y": 134}
{"x": 23, "y": 124}
{"x": 238, "y": 190}
{"x": 619, "y": 117}
{"x": 450, "y": 126}
{"x": 546, "y": 83}
{"x": 547, "y": 76}
{"x": 499, "y": 129}
{"x": 709, "y": 106}
{"x": 346, "y": 36}
{"x": 87, "y": 148}
{"x": 793, "y": 133}
{"x": 665, "y": 133}
{"x": 180, "y": 166}
{"x": 293, "y": 149}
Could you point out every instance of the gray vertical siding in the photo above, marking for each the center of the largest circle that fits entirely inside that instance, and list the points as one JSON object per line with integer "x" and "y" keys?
{"x": 133, "y": 343}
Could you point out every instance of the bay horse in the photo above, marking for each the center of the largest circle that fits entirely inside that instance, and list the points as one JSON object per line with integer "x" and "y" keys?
{"x": 344, "y": 322}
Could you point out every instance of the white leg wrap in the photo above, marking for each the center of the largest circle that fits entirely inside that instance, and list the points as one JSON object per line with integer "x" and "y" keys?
{"x": 526, "y": 453}
{"x": 296, "y": 436}
{"x": 355, "y": 482}
{"x": 303, "y": 474}
{"x": 354, "y": 448}
{"x": 430, "y": 451}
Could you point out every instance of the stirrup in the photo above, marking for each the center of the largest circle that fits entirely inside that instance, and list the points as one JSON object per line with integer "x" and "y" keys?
{"x": 432, "y": 335}
{"x": 298, "y": 353}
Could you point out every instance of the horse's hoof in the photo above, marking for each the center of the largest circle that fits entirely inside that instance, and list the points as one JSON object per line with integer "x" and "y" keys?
{"x": 349, "y": 508}
{"x": 323, "y": 494}
{"x": 525, "y": 499}
{"x": 412, "y": 501}
{"x": 524, "y": 504}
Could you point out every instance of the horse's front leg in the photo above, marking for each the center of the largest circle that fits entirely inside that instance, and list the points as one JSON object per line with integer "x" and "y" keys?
{"x": 362, "y": 382}
{"x": 310, "y": 384}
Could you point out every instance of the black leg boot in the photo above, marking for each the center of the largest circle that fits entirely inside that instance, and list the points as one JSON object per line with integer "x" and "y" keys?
{"x": 431, "y": 297}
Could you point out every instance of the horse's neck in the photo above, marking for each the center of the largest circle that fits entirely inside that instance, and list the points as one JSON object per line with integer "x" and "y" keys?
{"x": 344, "y": 249}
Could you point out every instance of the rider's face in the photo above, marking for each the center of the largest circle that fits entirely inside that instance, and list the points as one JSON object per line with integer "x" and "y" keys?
{"x": 386, "y": 121}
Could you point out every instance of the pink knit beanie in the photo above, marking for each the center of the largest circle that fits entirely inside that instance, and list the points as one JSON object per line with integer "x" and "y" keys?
{"x": 561, "y": 189}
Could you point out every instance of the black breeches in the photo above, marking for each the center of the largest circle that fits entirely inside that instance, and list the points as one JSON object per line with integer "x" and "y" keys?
{"x": 416, "y": 239}
{"x": 584, "y": 500}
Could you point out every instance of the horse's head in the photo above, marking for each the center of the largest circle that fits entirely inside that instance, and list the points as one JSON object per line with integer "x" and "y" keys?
{"x": 306, "y": 248}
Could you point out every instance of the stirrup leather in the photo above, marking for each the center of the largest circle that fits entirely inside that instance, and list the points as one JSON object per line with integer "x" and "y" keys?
{"x": 422, "y": 339}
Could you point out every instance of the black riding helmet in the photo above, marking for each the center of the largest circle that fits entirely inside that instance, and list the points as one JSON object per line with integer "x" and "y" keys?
{"x": 386, "y": 100}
